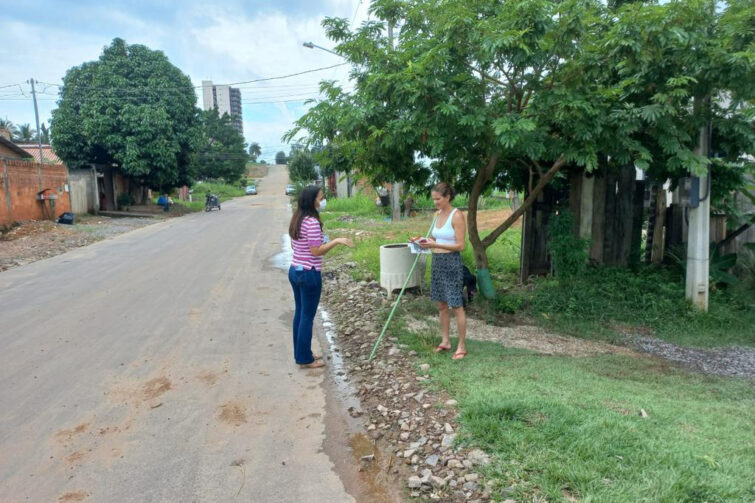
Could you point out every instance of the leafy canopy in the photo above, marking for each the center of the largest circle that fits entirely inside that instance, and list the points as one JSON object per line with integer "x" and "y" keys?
{"x": 132, "y": 108}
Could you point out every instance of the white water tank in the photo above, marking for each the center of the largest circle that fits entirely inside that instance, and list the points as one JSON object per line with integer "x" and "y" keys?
{"x": 395, "y": 262}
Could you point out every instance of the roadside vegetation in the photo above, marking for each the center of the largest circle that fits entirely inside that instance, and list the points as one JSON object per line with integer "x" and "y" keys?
{"x": 599, "y": 302}
{"x": 609, "y": 427}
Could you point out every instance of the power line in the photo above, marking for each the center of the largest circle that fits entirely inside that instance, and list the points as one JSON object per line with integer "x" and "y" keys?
{"x": 150, "y": 88}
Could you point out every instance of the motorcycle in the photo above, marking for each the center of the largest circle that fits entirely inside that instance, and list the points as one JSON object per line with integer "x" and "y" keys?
{"x": 211, "y": 201}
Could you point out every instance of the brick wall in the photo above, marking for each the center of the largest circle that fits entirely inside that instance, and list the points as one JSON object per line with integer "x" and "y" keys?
{"x": 19, "y": 185}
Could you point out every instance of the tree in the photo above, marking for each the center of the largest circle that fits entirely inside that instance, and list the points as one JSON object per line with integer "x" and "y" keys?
{"x": 25, "y": 134}
{"x": 509, "y": 94}
{"x": 221, "y": 153}
{"x": 44, "y": 134}
{"x": 131, "y": 108}
{"x": 490, "y": 91}
{"x": 280, "y": 157}
{"x": 301, "y": 166}
{"x": 8, "y": 125}
{"x": 254, "y": 151}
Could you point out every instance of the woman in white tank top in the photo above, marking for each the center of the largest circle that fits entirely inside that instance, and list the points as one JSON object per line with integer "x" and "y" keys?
{"x": 447, "y": 277}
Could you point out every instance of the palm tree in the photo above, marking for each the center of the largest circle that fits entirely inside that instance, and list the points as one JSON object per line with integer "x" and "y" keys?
{"x": 25, "y": 134}
{"x": 44, "y": 134}
{"x": 254, "y": 151}
{"x": 8, "y": 126}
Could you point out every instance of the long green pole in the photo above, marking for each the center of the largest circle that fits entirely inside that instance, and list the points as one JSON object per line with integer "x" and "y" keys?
{"x": 398, "y": 299}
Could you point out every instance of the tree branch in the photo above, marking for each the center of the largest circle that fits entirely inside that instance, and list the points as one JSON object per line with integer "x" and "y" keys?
{"x": 544, "y": 180}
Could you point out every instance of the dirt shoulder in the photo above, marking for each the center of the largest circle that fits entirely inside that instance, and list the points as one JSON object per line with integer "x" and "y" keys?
{"x": 36, "y": 240}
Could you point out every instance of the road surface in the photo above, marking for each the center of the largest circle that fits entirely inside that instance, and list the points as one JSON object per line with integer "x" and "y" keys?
{"x": 157, "y": 367}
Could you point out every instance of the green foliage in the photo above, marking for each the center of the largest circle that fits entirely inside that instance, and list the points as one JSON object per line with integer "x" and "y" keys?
{"x": 254, "y": 151}
{"x": 568, "y": 252}
{"x": 222, "y": 153}
{"x": 223, "y": 190}
{"x": 125, "y": 200}
{"x": 498, "y": 93}
{"x": 566, "y": 429}
{"x": 132, "y": 108}
{"x": 24, "y": 133}
{"x": 591, "y": 304}
{"x": 301, "y": 166}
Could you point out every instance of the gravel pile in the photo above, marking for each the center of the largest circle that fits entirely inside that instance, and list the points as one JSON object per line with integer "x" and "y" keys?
{"x": 417, "y": 427}
{"x": 733, "y": 361}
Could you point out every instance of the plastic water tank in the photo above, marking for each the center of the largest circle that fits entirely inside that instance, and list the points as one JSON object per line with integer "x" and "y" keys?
{"x": 395, "y": 262}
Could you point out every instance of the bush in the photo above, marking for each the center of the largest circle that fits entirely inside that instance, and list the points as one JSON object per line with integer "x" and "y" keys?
{"x": 125, "y": 200}
{"x": 569, "y": 253}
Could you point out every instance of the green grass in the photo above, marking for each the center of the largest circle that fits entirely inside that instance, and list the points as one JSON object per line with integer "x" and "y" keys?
{"x": 590, "y": 305}
{"x": 562, "y": 428}
{"x": 603, "y": 303}
{"x": 494, "y": 201}
{"x": 359, "y": 205}
{"x": 376, "y": 231}
{"x": 223, "y": 190}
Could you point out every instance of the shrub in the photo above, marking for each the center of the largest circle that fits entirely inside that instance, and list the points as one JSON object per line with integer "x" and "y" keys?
{"x": 569, "y": 253}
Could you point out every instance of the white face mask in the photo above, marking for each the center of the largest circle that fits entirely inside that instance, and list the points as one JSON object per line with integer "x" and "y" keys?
{"x": 322, "y": 204}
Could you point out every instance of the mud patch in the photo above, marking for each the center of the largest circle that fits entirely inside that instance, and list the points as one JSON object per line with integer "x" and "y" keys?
{"x": 155, "y": 387}
{"x": 208, "y": 377}
{"x": 75, "y": 457}
{"x": 69, "y": 434}
{"x": 72, "y": 496}
{"x": 232, "y": 413}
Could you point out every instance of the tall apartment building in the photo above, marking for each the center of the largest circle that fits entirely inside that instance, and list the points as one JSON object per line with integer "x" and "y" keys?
{"x": 226, "y": 99}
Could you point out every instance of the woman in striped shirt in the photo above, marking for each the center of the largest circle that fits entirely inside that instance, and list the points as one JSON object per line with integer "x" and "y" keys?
{"x": 309, "y": 245}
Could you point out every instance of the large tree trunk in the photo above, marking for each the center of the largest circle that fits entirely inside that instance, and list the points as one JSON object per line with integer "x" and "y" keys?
{"x": 483, "y": 177}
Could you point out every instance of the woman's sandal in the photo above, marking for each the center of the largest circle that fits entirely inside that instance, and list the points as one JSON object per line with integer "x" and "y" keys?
{"x": 314, "y": 365}
{"x": 459, "y": 355}
{"x": 440, "y": 348}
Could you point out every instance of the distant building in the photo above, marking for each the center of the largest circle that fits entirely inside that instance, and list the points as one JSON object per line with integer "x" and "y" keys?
{"x": 226, "y": 99}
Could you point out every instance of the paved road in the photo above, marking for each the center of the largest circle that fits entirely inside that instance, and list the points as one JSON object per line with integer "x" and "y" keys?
{"x": 156, "y": 367}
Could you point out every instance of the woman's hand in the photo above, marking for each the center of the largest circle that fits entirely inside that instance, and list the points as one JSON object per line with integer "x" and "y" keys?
{"x": 426, "y": 243}
{"x": 345, "y": 241}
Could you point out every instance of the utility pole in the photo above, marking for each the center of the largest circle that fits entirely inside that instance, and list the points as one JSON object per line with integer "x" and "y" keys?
{"x": 396, "y": 185}
{"x": 698, "y": 241}
{"x": 39, "y": 136}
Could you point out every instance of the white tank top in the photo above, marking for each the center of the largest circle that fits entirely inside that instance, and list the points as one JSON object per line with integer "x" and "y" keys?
{"x": 445, "y": 235}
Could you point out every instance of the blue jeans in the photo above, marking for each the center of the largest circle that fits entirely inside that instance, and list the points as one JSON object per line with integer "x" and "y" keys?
{"x": 307, "y": 286}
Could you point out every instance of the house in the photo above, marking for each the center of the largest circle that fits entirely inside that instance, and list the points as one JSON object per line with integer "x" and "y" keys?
{"x": 48, "y": 154}
{"x": 30, "y": 190}
{"x": 10, "y": 150}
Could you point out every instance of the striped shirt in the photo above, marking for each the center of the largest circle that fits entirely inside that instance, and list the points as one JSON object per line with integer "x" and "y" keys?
{"x": 310, "y": 234}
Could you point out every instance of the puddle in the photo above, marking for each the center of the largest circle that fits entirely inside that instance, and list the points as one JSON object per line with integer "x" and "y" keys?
{"x": 283, "y": 259}
{"x": 367, "y": 481}
{"x": 341, "y": 385}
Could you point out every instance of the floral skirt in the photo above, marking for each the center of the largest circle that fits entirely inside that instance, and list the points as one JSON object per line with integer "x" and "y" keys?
{"x": 447, "y": 279}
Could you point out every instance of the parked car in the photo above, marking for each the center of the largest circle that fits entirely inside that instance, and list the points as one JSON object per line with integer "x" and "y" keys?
{"x": 251, "y": 190}
{"x": 290, "y": 190}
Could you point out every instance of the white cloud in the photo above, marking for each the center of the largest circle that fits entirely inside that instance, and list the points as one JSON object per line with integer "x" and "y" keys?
{"x": 218, "y": 42}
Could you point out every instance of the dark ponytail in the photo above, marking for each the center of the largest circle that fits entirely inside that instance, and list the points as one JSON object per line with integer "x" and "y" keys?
{"x": 304, "y": 208}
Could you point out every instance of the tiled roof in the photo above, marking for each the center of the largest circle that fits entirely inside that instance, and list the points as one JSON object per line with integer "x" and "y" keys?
{"x": 13, "y": 147}
{"x": 48, "y": 154}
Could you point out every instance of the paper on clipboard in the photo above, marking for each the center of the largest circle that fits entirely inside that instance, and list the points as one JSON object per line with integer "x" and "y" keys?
{"x": 416, "y": 249}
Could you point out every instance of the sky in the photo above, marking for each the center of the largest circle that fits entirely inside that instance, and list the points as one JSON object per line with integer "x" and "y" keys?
{"x": 226, "y": 42}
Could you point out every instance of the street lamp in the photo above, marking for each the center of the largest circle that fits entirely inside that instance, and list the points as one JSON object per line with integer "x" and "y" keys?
{"x": 310, "y": 45}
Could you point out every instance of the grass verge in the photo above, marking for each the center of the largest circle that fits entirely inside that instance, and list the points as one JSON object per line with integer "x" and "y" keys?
{"x": 569, "y": 429}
